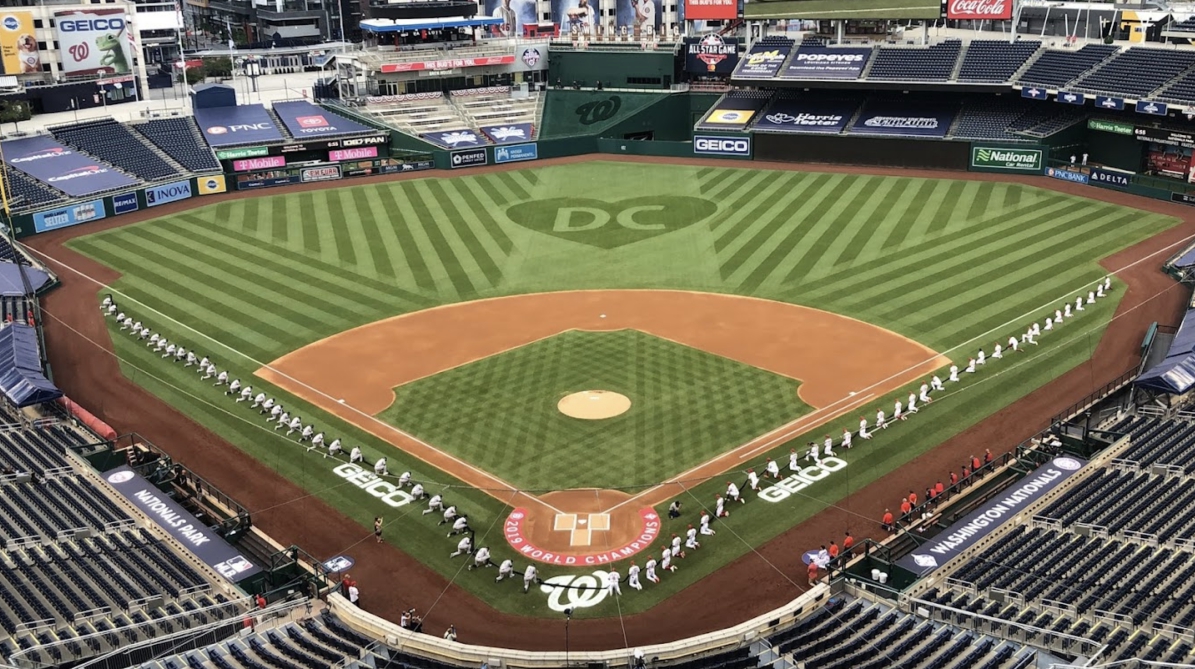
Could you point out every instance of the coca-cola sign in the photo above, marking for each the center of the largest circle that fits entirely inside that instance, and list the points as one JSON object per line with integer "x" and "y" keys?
{"x": 979, "y": 9}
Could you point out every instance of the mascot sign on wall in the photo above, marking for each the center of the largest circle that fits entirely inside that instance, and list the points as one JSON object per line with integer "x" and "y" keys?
{"x": 94, "y": 41}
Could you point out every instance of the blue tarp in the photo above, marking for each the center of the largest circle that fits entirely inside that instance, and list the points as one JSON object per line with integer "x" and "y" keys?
{"x": 1186, "y": 260}
{"x": 1175, "y": 374}
{"x": 21, "y": 377}
{"x": 11, "y": 284}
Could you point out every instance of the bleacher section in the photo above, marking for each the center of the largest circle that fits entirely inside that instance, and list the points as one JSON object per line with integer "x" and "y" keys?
{"x": 1111, "y": 559}
{"x": 33, "y": 511}
{"x": 990, "y": 120}
{"x": 1055, "y": 69}
{"x": 995, "y": 61}
{"x": 735, "y": 110}
{"x": 1137, "y": 72}
{"x": 25, "y": 191}
{"x": 40, "y": 452}
{"x": 495, "y": 106}
{"x": 850, "y": 634}
{"x": 179, "y": 138}
{"x": 415, "y": 114}
{"x": 117, "y": 145}
{"x": 933, "y": 63}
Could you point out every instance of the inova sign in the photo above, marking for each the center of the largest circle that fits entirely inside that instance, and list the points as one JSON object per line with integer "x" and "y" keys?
{"x": 1013, "y": 160}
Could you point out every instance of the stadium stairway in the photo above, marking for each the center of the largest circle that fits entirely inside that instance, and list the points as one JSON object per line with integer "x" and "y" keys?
{"x": 958, "y": 64}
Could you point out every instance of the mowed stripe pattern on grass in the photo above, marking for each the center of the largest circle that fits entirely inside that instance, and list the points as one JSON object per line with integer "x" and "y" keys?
{"x": 688, "y": 406}
{"x": 937, "y": 260}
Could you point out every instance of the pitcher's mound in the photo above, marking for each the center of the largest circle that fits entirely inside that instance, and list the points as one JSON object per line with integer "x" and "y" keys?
{"x": 594, "y": 404}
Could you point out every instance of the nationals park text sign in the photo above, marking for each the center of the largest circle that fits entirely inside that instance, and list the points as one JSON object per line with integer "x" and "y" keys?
{"x": 1011, "y": 160}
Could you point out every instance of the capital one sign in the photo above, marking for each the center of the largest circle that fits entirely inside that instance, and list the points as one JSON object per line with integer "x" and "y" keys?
{"x": 979, "y": 9}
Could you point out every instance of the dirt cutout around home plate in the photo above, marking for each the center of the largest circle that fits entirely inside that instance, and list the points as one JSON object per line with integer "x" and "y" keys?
{"x": 594, "y": 404}
{"x": 842, "y": 363}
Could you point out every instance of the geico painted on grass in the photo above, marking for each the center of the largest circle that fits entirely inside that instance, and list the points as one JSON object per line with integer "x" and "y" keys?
{"x": 390, "y": 494}
{"x": 801, "y": 479}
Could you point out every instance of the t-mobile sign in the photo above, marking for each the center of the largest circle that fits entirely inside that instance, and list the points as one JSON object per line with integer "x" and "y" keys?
{"x": 353, "y": 154}
{"x": 258, "y": 163}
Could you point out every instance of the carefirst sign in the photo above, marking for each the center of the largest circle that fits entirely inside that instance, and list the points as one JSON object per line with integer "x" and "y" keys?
{"x": 1028, "y": 161}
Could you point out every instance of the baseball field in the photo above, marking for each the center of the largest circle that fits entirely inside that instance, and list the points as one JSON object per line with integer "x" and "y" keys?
{"x": 741, "y": 312}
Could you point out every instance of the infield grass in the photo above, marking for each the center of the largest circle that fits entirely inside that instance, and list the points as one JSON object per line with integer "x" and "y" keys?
{"x": 954, "y": 265}
{"x": 687, "y": 407}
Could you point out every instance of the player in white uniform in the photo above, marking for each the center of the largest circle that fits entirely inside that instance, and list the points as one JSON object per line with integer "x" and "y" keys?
{"x": 126, "y": 323}
{"x": 334, "y": 447}
{"x": 295, "y": 424}
{"x": 982, "y": 358}
{"x": 924, "y": 396}
{"x": 120, "y": 317}
{"x": 379, "y": 467}
{"x": 246, "y": 394}
{"x": 404, "y": 479}
{"x": 1099, "y": 290}
{"x": 675, "y": 549}
{"x": 666, "y": 560}
{"x": 705, "y": 524}
{"x": 953, "y": 373}
{"x": 1107, "y": 283}
{"x": 449, "y": 515}
{"x": 317, "y": 442}
{"x": 258, "y": 400}
{"x": 1049, "y": 324}
{"x": 111, "y": 308}
{"x": 234, "y": 387}
{"x": 145, "y": 333}
{"x": 221, "y": 379}
{"x": 732, "y": 493}
{"x": 355, "y": 455}
{"x": 276, "y": 415}
{"x": 846, "y": 439}
{"x": 179, "y": 354}
{"x": 970, "y": 369}
{"x": 436, "y": 503}
{"x": 828, "y": 447}
{"x": 997, "y": 351}
{"x": 138, "y": 328}
{"x": 720, "y": 507}
{"x": 462, "y": 547}
{"x": 650, "y": 570}
{"x": 162, "y": 344}
{"x": 1078, "y": 304}
{"x": 531, "y": 575}
{"x": 283, "y": 421}
{"x": 898, "y": 411}
{"x": 460, "y": 525}
{"x": 881, "y": 419}
{"x": 813, "y": 454}
{"x": 633, "y": 576}
{"x": 307, "y": 433}
{"x": 612, "y": 580}
{"x": 417, "y": 491}
{"x": 691, "y": 542}
{"x": 1091, "y": 297}
{"x": 935, "y": 383}
{"x": 170, "y": 349}
{"x": 1057, "y": 317}
{"x": 753, "y": 479}
{"x": 505, "y": 570}
{"x": 773, "y": 469}
{"x": 863, "y": 433}
{"x": 481, "y": 559}
{"x": 1066, "y": 311}
{"x": 792, "y": 460}
{"x": 106, "y": 303}
{"x": 911, "y": 408}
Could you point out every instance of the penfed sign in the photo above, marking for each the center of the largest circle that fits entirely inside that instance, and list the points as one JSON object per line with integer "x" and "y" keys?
{"x": 1028, "y": 161}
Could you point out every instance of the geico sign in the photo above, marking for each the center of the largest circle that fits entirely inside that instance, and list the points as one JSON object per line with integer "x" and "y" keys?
{"x": 390, "y": 494}
{"x": 90, "y": 25}
{"x": 830, "y": 57}
{"x": 801, "y": 479}
{"x": 722, "y": 145}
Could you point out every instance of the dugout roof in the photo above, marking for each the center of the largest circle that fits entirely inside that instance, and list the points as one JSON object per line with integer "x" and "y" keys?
{"x": 1175, "y": 374}
{"x": 21, "y": 378}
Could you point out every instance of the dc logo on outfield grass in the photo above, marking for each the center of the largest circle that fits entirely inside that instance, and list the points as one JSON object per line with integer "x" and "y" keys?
{"x": 611, "y": 224}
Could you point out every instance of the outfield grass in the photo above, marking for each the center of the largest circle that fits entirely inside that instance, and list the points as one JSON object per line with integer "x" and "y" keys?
{"x": 500, "y": 413}
{"x": 943, "y": 262}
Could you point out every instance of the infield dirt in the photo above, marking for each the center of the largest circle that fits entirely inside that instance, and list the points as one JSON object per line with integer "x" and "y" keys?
{"x": 393, "y": 581}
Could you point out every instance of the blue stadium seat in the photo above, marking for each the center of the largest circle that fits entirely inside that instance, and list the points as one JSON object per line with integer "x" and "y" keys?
{"x": 179, "y": 138}
{"x": 116, "y": 144}
{"x": 995, "y": 61}
{"x": 1056, "y": 68}
{"x": 1136, "y": 72}
{"x": 933, "y": 63}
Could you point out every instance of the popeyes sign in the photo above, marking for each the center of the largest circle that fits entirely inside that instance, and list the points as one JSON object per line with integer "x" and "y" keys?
{"x": 979, "y": 10}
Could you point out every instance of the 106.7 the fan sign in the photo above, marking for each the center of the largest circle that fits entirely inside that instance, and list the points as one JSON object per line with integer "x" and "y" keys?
{"x": 94, "y": 41}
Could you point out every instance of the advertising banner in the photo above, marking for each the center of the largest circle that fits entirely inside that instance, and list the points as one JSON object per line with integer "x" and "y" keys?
{"x": 94, "y": 41}
{"x": 247, "y": 152}
{"x": 508, "y": 134}
{"x": 265, "y": 180}
{"x": 258, "y": 163}
{"x": 243, "y": 124}
{"x": 956, "y": 539}
{"x": 212, "y": 185}
{"x": 156, "y": 195}
{"x": 453, "y": 138}
{"x": 637, "y": 15}
{"x": 1066, "y": 175}
{"x": 1153, "y": 108}
{"x": 305, "y": 120}
{"x": 1114, "y": 127}
{"x": 195, "y": 536}
{"x": 353, "y": 154}
{"x": 729, "y": 117}
{"x": 1034, "y": 93}
{"x": 125, "y": 203}
{"x": 826, "y": 63}
{"x": 979, "y": 10}
{"x": 516, "y": 153}
{"x": 711, "y": 10}
{"x": 762, "y": 62}
{"x": 446, "y": 64}
{"x": 905, "y": 120}
{"x": 1183, "y": 198}
{"x": 70, "y": 172}
{"x": 1068, "y": 98}
{"x": 68, "y": 216}
{"x": 18, "y": 44}
{"x": 469, "y": 158}
{"x": 1112, "y": 178}
{"x": 806, "y": 116}
{"x": 1105, "y": 102}
{"x": 1028, "y": 161}
{"x": 715, "y": 145}
{"x": 514, "y": 14}
{"x": 321, "y": 173}
{"x": 1161, "y": 136}
{"x": 711, "y": 54}
{"x": 578, "y": 16}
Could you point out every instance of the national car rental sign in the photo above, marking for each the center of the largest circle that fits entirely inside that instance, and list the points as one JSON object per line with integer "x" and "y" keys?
{"x": 979, "y": 9}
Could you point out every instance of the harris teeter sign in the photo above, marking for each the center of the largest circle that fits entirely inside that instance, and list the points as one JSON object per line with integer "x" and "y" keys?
{"x": 1028, "y": 161}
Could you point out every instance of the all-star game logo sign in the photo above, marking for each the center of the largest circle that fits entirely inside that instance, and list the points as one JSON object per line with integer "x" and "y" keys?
{"x": 712, "y": 55}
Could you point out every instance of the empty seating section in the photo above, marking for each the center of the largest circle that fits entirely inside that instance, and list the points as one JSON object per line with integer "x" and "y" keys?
{"x": 24, "y": 191}
{"x": 854, "y": 634}
{"x": 1181, "y": 90}
{"x": 180, "y": 139}
{"x": 32, "y": 509}
{"x": 116, "y": 144}
{"x": 37, "y": 451}
{"x": 989, "y": 120}
{"x": 497, "y": 108}
{"x": 1045, "y": 120}
{"x": 933, "y": 63}
{"x": 776, "y": 40}
{"x": 1137, "y": 72}
{"x": 995, "y": 61}
{"x": 1056, "y": 69}
{"x": 418, "y": 114}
